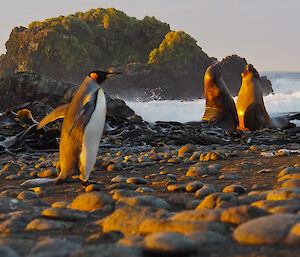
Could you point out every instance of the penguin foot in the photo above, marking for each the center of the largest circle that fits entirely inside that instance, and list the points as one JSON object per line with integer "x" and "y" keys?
{"x": 85, "y": 182}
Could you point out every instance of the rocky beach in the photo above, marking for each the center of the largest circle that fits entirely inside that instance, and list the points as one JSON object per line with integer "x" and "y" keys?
{"x": 158, "y": 188}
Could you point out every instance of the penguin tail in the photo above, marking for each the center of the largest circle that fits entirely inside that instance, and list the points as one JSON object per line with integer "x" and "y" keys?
{"x": 295, "y": 116}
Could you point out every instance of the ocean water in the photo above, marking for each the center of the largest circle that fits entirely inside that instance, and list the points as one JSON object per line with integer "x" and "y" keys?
{"x": 286, "y": 99}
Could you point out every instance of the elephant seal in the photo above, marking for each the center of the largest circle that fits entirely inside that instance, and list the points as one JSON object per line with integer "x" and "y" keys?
{"x": 220, "y": 107}
{"x": 250, "y": 105}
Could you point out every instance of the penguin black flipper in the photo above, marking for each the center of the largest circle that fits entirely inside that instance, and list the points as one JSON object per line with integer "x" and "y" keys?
{"x": 57, "y": 113}
{"x": 83, "y": 111}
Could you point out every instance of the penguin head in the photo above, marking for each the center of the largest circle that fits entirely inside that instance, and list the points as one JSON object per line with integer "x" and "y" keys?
{"x": 250, "y": 70}
{"x": 100, "y": 76}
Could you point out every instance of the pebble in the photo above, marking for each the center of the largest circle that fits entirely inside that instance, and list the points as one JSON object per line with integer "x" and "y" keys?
{"x": 204, "y": 215}
{"x": 176, "y": 187}
{"x": 240, "y": 214}
{"x": 169, "y": 243}
{"x": 27, "y": 195}
{"x": 38, "y": 182}
{"x": 291, "y": 183}
{"x": 146, "y": 200}
{"x": 122, "y": 219}
{"x": 122, "y": 186}
{"x": 205, "y": 191}
{"x": 136, "y": 180}
{"x": 144, "y": 190}
{"x": 206, "y": 237}
{"x": 47, "y": 224}
{"x": 56, "y": 247}
{"x": 230, "y": 177}
{"x": 119, "y": 193}
{"x": 180, "y": 226}
{"x": 217, "y": 200}
{"x": 195, "y": 171}
{"x": 47, "y": 173}
{"x": 7, "y": 252}
{"x": 269, "y": 229}
{"x": 283, "y": 194}
{"x": 234, "y": 189}
{"x": 61, "y": 204}
{"x": 104, "y": 238}
{"x": 193, "y": 186}
{"x": 64, "y": 214}
{"x": 91, "y": 201}
{"x": 118, "y": 179}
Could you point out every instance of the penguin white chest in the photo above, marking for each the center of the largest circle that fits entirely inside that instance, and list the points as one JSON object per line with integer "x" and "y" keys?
{"x": 92, "y": 135}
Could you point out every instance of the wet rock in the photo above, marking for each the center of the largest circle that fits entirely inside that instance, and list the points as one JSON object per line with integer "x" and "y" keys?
{"x": 218, "y": 200}
{"x": 180, "y": 226}
{"x": 47, "y": 173}
{"x": 291, "y": 183}
{"x": 8, "y": 204}
{"x": 193, "y": 186}
{"x": 176, "y": 187}
{"x": 122, "y": 219}
{"x": 234, "y": 189}
{"x": 289, "y": 176}
{"x": 105, "y": 250}
{"x": 46, "y": 224}
{"x": 188, "y": 148}
{"x": 118, "y": 179}
{"x": 204, "y": 215}
{"x": 64, "y": 214}
{"x": 144, "y": 190}
{"x": 119, "y": 193}
{"x": 269, "y": 204}
{"x": 136, "y": 180}
{"x": 57, "y": 247}
{"x": 169, "y": 243}
{"x": 10, "y": 169}
{"x": 146, "y": 200}
{"x": 206, "y": 237}
{"x": 91, "y": 201}
{"x": 204, "y": 191}
{"x": 61, "y": 204}
{"x": 7, "y": 252}
{"x": 122, "y": 186}
{"x": 288, "y": 170}
{"x": 283, "y": 194}
{"x": 104, "y": 238}
{"x": 293, "y": 238}
{"x": 20, "y": 245}
{"x": 270, "y": 229}
{"x": 133, "y": 241}
{"x": 195, "y": 171}
{"x": 230, "y": 177}
{"x": 27, "y": 195}
{"x": 240, "y": 214}
{"x": 38, "y": 182}
{"x": 16, "y": 222}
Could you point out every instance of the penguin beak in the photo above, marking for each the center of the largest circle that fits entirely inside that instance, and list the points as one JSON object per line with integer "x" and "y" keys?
{"x": 112, "y": 74}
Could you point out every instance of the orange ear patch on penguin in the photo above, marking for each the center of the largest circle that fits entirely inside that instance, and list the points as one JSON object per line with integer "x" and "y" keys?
{"x": 94, "y": 76}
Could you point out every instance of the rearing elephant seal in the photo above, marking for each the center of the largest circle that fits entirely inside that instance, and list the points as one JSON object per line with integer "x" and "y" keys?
{"x": 251, "y": 108}
{"x": 219, "y": 106}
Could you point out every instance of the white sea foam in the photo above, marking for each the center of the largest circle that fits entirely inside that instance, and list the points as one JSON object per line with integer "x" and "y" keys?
{"x": 286, "y": 99}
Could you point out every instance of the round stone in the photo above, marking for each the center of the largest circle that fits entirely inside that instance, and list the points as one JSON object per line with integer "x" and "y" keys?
{"x": 170, "y": 243}
{"x": 91, "y": 201}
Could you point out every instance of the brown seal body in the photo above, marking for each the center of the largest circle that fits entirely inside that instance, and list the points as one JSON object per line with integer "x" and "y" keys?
{"x": 220, "y": 107}
{"x": 250, "y": 105}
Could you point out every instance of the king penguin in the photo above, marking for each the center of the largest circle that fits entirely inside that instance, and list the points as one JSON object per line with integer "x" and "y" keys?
{"x": 83, "y": 124}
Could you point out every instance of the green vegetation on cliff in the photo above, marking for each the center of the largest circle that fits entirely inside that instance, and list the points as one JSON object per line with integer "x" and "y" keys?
{"x": 71, "y": 46}
{"x": 176, "y": 48}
